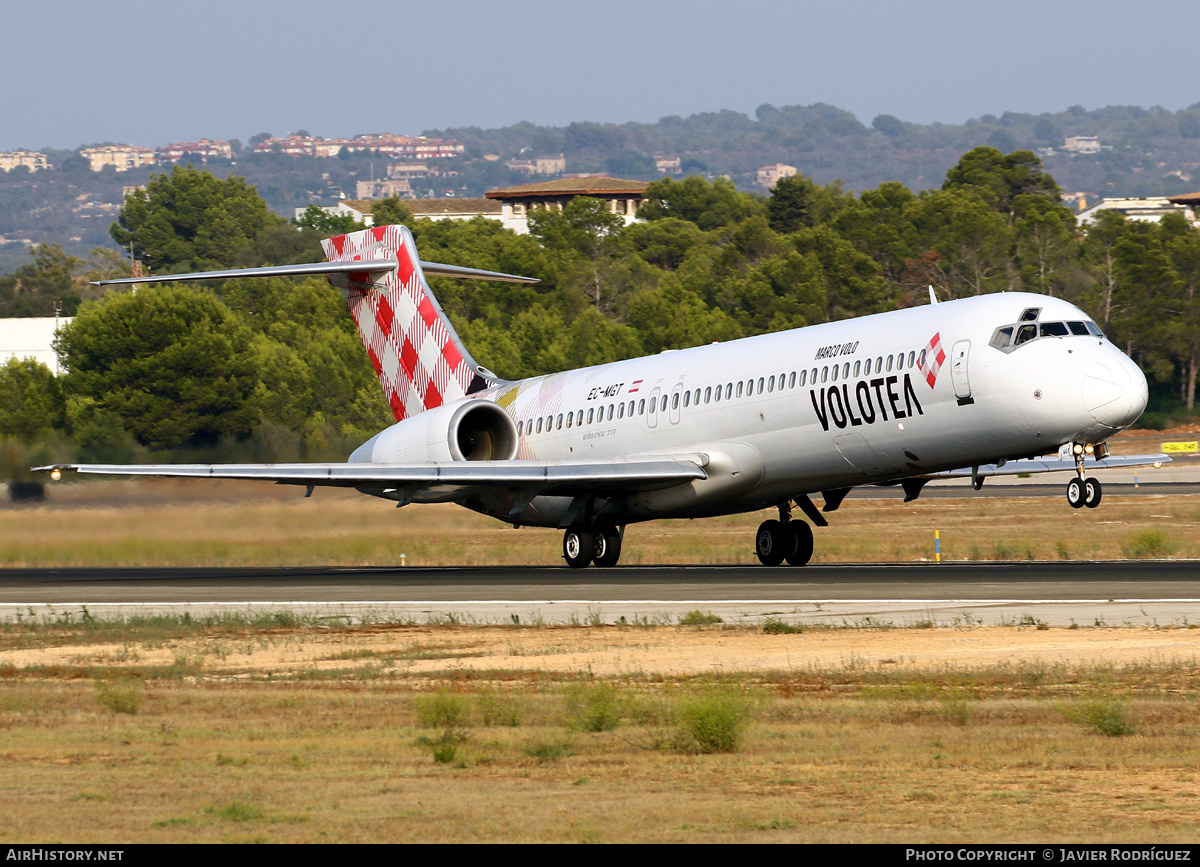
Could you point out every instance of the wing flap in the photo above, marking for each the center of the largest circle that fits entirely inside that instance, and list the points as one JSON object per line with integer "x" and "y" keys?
{"x": 1052, "y": 465}
{"x": 538, "y": 477}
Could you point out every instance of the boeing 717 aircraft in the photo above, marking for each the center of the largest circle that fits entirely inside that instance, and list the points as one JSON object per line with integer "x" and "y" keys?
{"x": 975, "y": 387}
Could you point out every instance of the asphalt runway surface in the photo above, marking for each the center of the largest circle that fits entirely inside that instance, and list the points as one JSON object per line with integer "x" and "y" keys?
{"x": 1116, "y": 593}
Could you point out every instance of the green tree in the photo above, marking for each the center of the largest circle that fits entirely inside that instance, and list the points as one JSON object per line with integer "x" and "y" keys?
{"x": 1000, "y": 179}
{"x": 797, "y": 202}
{"x": 31, "y": 400}
{"x": 320, "y": 220}
{"x": 174, "y": 364}
{"x": 708, "y": 205}
{"x": 391, "y": 212}
{"x": 189, "y": 220}
{"x": 585, "y": 234}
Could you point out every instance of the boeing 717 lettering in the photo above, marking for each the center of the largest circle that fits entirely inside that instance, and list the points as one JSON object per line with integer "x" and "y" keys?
{"x": 975, "y": 387}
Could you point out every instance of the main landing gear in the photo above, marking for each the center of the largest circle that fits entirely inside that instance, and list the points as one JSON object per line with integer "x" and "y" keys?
{"x": 599, "y": 545}
{"x": 1083, "y": 491}
{"x": 785, "y": 539}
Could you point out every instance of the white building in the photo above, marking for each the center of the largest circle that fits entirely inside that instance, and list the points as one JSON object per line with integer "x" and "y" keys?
{"x": 1082, "y": 144}
{"x": 769, "y": 176}
{"x": 31, "y": 337}
{"x": 1150, "y": 209}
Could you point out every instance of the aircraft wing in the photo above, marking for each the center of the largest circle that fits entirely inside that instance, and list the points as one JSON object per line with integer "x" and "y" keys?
{"x": 1052, "y": 465}
{"x": 534, "y": 477}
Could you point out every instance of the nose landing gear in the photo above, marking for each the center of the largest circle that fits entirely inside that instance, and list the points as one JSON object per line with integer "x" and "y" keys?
{"x": 1083, "y": 491}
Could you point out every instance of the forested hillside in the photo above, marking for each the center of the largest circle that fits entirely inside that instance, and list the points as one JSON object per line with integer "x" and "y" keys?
{"x": 273, "y": 369}
{"x": 1144, "y": 152}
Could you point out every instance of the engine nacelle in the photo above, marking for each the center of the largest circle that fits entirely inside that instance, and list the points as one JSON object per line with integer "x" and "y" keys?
{"x": 468, "y": 430}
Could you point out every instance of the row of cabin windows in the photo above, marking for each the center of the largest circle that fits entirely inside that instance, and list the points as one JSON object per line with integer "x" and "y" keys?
{"x": 729, "y": 391}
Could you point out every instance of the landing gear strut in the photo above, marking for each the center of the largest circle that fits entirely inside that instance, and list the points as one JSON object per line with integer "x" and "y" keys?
{"x": 1083, "y": 491}
{"x": 784, "y": 539}
{"x": 584, "y": 544}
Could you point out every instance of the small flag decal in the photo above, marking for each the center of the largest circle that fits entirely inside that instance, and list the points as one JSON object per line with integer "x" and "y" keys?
{"x": 934, "y": 357}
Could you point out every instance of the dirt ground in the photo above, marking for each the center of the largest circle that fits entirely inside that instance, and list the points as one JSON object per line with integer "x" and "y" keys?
{"x": 416, "y": 651}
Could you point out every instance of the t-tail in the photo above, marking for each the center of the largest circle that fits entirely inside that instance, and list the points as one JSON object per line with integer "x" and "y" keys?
{"x": 417, "y": 355}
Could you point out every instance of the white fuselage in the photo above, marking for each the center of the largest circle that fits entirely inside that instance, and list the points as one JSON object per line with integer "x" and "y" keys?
{"x": 826, "y": 407}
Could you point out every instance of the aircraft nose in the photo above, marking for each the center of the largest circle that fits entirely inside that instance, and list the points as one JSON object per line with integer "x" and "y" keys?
{"x": 1115, "y": 392}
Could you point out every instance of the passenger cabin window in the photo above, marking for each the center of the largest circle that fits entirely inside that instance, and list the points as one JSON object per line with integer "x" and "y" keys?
{"x": 675, "y": 401}
{"x": 539, "y": 424}
{"x": 520, "y": 427}
{"x": 760, "y": 384}
{"x": 591, "y": 415}
{"x": 792, "y": 380}
{"x": 912, "y": 358}
{"x": 739, "y": 388}
{"x": 708, "y": 395}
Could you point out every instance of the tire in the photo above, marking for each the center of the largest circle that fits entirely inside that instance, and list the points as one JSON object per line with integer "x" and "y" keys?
{"x": 1075, "y": 493}
{"x": 607, "y": 549}
{"x": 802, "y": 543}
{"x": 1092, "y": 493}
{"x": 771, "y": 543}
{"x": 579, "y": 546}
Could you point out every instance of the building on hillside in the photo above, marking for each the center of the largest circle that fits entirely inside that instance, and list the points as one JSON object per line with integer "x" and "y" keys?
{"x": 539, "y": 165}
{"x": 383, "y": 189}
{"x": 1082, "y": 144}
{"x": 1150, "y": 209}
{"x": 385, "y": 144}
{"x": 769, "y": 176}
{"x": 120, "y": 157}
{"x": 623, "y": 198}
{"x": 203, "y": 148}
{"x": 1077, "y": 200}
{"x": 32, "y": 160}
{"x": 408, "y": 171}
{"x": 668, "y": 165}
{"x": 31, "y": 337}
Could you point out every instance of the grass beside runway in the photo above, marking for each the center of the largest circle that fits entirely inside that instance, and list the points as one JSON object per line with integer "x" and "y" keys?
{"x": 166, "y": 523}
{"x": 277, "y": 730}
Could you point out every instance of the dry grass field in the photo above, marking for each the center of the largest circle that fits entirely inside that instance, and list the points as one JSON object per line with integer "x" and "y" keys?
{"x": 281, "y": 729}
{"x": 271, "y": 730}
{"x": 172, "y": 523}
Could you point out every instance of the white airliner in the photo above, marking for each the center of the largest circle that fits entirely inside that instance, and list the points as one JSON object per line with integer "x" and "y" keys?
{"x": 975, "y": 387}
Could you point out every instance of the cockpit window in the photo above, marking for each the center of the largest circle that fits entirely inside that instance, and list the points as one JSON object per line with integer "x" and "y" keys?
{"x": 1025, "y": 333}
{"x": 1007, "y": 338}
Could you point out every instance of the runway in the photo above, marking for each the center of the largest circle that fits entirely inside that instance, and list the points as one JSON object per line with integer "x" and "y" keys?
{"x": 1117, "y": 593}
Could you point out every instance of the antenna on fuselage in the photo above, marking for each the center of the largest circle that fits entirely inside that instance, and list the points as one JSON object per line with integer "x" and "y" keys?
{"x": 932, "y": 296}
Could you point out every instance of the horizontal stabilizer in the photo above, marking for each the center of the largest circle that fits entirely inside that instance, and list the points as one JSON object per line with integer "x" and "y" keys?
{"x": 356, "y": 266}
{"x": 1053, "y": 465}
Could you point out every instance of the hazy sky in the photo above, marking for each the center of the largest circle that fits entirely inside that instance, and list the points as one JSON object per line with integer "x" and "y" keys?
{"x": 148, "y": 73}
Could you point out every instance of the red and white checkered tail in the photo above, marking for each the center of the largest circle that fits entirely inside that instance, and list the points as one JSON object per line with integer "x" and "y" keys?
{"x": 420, "y": 361}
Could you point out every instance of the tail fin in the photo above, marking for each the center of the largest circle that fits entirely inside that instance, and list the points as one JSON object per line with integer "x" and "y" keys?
{"x": 420, "y": 360}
